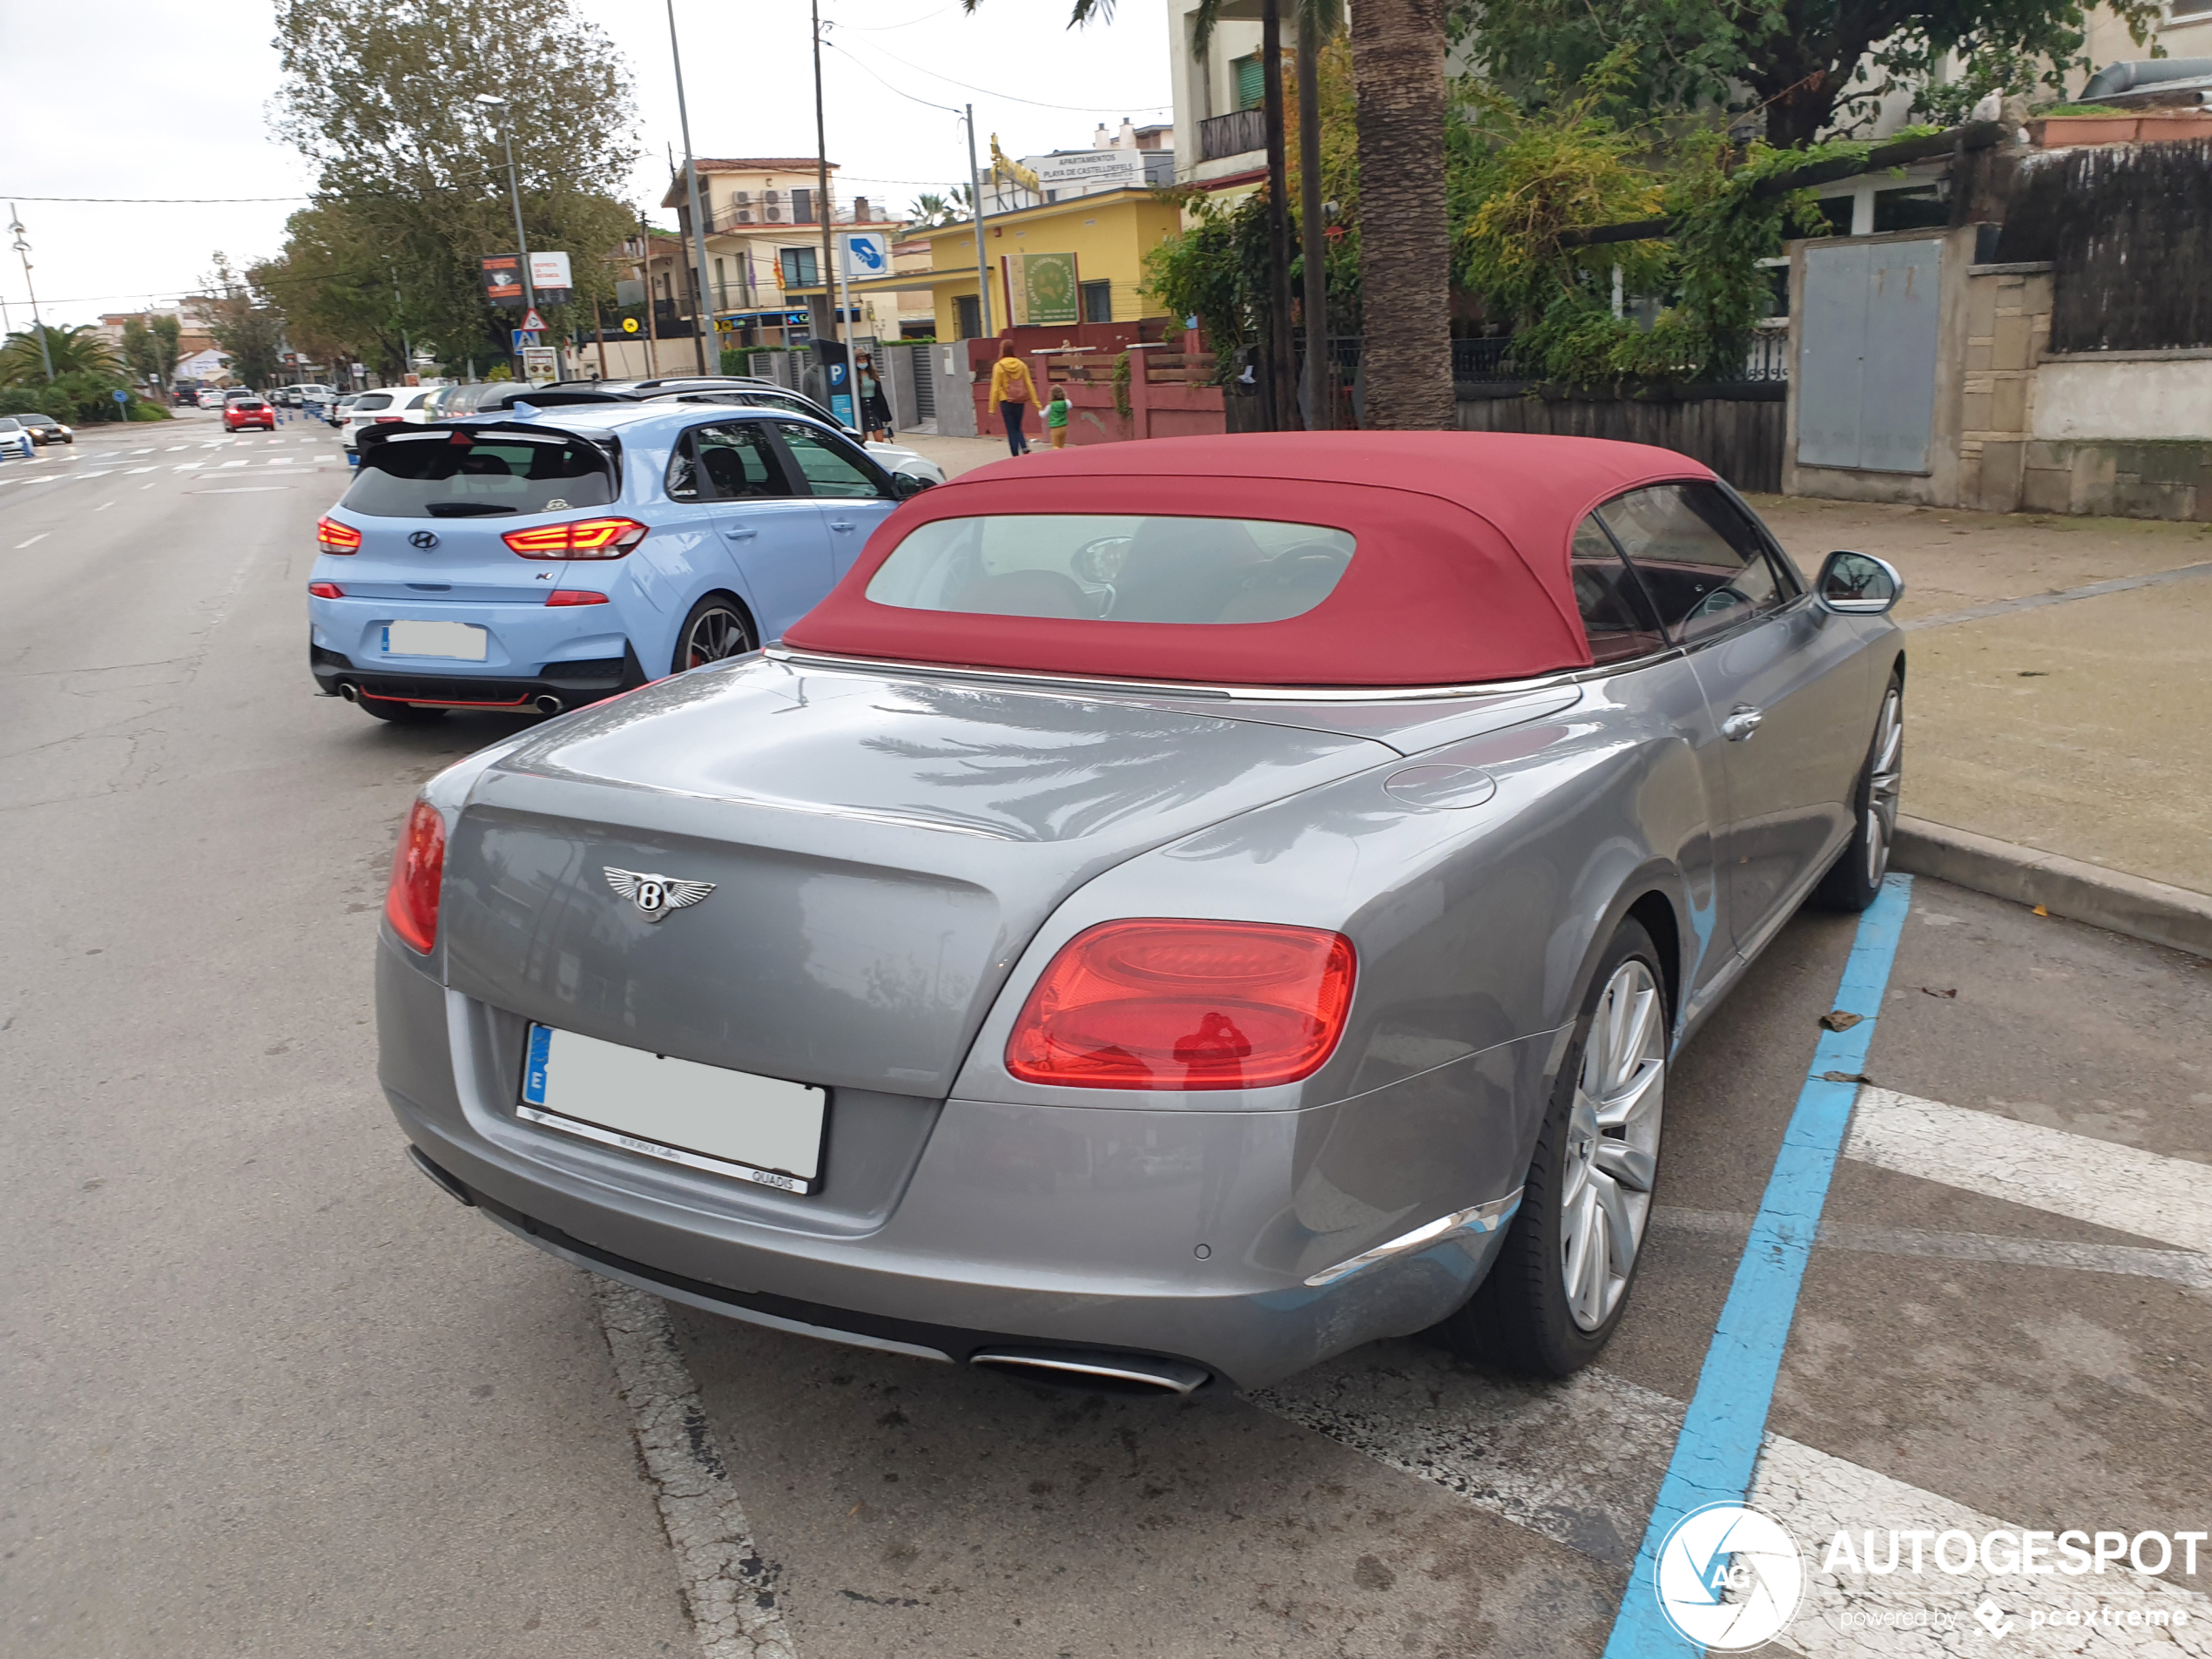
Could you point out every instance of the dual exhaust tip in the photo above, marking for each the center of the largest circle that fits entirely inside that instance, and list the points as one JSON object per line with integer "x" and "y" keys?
{"x": 544, "y": 703}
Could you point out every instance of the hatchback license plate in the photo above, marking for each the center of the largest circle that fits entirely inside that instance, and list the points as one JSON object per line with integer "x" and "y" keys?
{"x": 457, "y": 639}
{"x": 761, "y": 1130}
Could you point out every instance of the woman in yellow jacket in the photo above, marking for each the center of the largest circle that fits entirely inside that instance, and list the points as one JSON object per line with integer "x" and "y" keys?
{"x": 1013, "y": 391}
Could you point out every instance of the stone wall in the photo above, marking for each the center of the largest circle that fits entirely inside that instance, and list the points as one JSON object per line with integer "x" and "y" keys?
{"x": 2008, "y": 324}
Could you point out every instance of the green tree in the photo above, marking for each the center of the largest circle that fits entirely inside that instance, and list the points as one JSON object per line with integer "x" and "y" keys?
{"x": 167, "y": 333}
{"x": 247, "y": 328}
{"x": 79, "y": 350}
{"x": 413, "y": 184}
{"x": 1810, "y": 64}
{"x": 933, "y": 212}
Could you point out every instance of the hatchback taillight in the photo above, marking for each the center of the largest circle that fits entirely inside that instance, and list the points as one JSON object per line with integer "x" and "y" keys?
{"x": 1159, "y": 1003}
{"x": 334, "y": 537}
{"x": 580, "y": 538}
{"x": 574, "y": 596}
{"x": 418, "y": 867}
{"x": 326, "y": 590}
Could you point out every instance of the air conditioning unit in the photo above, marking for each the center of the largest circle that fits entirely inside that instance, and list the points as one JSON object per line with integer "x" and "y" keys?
{"x": 745, "y": 216}
{"x": 772, "y": 196}
{"x": 741, "y": 197}
{"x": 775, "y": 215}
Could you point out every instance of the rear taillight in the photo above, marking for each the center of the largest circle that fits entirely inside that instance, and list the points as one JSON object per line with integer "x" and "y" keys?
{"x": 1159, "y": 1003}
{"x": 326, "y": 590}
{"x": 391, "y": 420}
{"x": 418, "y": 866}
{"x": 574, "y": 596}
{"x": 580, "y": 538}
{"x": 334, "y": 537}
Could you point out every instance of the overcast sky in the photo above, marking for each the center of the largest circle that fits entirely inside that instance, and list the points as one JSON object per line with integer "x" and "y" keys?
{"x": 171, "y": 98}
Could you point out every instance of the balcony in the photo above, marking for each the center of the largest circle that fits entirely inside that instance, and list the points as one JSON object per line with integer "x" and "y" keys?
{"x": 1235, "y": 134}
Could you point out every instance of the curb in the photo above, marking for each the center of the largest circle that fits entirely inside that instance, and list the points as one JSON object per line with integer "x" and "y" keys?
{"x": 2125, "y": 904}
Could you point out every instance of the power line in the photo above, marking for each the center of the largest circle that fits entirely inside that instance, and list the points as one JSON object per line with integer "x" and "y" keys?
{"x": 196, "y": 201}
{"x": 1075, "y": 109}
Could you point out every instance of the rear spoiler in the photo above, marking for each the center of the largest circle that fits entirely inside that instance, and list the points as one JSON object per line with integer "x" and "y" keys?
{"x": 373, "y": 438}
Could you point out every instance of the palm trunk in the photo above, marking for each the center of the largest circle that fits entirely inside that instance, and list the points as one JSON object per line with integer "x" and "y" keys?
{"x": 1282, "y": 378}
{"x": 1320, "y": 384}
{"x": 1404, "y": 244}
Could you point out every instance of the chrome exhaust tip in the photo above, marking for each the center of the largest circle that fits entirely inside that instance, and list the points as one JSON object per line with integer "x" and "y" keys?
{"x": 350, "y": 691}
{"x": 548, "y": 704}
{"x": 1121, "y": 1373}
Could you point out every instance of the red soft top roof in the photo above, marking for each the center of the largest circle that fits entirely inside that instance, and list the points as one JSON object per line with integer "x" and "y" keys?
{"x": 1460, "y": 574}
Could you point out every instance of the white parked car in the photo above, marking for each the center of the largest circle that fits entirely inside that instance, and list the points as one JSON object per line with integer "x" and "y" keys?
{"x": 211, "y": 398}
{"x": 14, "y": 437}
{"x": 392, "y": 405}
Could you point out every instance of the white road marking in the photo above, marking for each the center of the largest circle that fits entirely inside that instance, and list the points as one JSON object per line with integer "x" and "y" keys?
{"x": 173, "y": 448}
{"x": 1580, "y": 1462}
{"x": 95, "y": 474}
{"x": 2099, "y": 1182}
{"x": 137, "y": 470}
{"x": 237, "y": 464}
{"x": 103, "y": 506}
{"x": 188, "y": 466}
{"x": 282, "y": 461}
{"x": 2176, "y": 1266}
{"x": 730, "y": 1589}
{"x": 41, "y": 536}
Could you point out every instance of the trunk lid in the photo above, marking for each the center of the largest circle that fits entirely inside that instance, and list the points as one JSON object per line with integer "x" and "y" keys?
{"x": 881, "y": 851}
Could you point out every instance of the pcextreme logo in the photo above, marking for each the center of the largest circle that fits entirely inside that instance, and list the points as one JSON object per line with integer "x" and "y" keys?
{"x": 1727, "y": 1577}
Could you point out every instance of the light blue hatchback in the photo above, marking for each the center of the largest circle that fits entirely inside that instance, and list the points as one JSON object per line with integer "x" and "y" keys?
{"x": 543, "y": 558}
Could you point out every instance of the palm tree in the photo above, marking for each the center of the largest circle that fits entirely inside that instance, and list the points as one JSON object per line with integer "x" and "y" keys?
{"x": 78, "y": 350}
{"x": 1397, "y": 49}
{"x": 932, "y": 212}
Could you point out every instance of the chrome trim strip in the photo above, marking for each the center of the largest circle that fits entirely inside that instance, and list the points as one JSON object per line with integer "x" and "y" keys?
{"x": 1160, "y": 1373}
{"x": 883, "y": 666}
{"x": 1481, "y": 1218}
{"x": 666, "y": 1154}
{"x": 726, "y": 1310}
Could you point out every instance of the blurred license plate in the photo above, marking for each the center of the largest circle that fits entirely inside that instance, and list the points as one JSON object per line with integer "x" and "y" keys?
{"x": 459, "y": 639}
{"x": 761, "y": 1130}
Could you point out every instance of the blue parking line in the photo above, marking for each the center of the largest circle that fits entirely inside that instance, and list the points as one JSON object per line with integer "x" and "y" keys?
{"x": 1721, "y": 1432}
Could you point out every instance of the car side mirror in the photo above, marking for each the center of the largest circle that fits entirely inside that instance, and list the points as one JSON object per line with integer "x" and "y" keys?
{"x": 1858, "y": 584}
{"x": 906, "y": 485}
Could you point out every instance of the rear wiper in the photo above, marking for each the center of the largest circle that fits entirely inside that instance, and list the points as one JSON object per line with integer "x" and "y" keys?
{"x": 467, "y": 509}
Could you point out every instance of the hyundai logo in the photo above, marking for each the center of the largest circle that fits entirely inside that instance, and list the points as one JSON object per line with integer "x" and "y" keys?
{"x": 424, "y": 539}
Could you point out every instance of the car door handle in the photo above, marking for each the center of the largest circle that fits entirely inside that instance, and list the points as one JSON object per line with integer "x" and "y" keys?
{"x": 840, "y": 524}
{"x": 1742, "y": 720}
{"x": 740, "y": 532}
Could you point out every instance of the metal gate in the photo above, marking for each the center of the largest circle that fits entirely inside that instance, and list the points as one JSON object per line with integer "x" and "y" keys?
{"x": 1867, "y": 363}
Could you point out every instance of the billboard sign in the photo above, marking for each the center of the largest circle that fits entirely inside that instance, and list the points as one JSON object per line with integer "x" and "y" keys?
{"x": 1041, "y": 289}
{"x": 1085, "y": 172}
{"x": 502, "y": 279}
{"x": 549, "y": 276}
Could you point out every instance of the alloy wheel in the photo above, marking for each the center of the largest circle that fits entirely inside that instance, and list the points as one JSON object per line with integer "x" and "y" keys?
{"x": 714, "y": 635}
{"x": 1885, "y": 780}
{"x": 1613, "y": 1144}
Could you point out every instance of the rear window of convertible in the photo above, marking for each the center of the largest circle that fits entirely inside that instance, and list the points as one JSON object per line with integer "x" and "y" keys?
{"x": 1114, "y": 567}
{"x": 455, "y": 475}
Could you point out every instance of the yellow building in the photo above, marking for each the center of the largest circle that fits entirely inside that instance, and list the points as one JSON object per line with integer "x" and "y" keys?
{"x": 1104, "y": 236}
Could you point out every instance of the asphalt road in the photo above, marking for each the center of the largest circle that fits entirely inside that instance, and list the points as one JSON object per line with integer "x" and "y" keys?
{"x": 268, "y": 1393}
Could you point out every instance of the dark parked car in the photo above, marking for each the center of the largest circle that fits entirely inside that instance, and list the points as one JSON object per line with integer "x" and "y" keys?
{"x": 43, "y": 429}
{"x": 1173, "y": 913}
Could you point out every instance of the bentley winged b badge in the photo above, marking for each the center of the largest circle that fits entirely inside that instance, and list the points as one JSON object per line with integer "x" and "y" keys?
{"x": 656, "y": 895}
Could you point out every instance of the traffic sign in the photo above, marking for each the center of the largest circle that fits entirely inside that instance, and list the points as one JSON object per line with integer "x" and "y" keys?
{"x": 532, "y": 323}
{"x": 121, "y": 396}
{"x": 523, "y": 338}
{"x": 540, "y": 365}
{"x": 629, "y": 325}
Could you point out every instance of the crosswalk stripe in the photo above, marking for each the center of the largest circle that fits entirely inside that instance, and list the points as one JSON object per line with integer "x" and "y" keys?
{"x": 2103, "y": 1183}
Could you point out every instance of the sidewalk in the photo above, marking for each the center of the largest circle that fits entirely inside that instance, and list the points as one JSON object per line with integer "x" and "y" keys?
{"x": 2081, "y": 727}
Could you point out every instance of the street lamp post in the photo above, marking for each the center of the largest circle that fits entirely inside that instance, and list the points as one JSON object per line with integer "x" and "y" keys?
{"x": 37, "y": 326}
{"x": 492, "y": 101}
{"x": 703, "y": 310}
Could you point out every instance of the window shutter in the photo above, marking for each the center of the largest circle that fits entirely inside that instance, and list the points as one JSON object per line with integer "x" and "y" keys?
{"x": 802, "y": 205}
{"x": 1251, "y": 84}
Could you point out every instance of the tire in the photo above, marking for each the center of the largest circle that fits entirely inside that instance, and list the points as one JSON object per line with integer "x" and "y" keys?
{"x": 715, "y": 629}
{"x": 400, "y": 714}
{"x": 1856, "y": 877}
{"x": 1559, "y": 1287}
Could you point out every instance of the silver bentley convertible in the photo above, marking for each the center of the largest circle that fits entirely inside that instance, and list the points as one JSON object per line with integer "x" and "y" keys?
{"x": 1176, "y": 911}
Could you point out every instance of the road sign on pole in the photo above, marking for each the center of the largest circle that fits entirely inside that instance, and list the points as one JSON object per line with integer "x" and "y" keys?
{"x": 523, "y": 338}
{"x": 540, "y": 365}
{"x": 532, "y": 323}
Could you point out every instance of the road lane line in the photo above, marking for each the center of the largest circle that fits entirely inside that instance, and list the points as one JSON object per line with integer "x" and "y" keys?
{"x": 103, "y": 506}
{"x": 731, "y": 1590}
{"x": 188, "y": 466}
{"x": 138, "y": 470}
{"x": 1716, "y": 1455}
{"x": 41, "y": 536}
{"x": 237, "y": 464}
{"x": 280, "y": 460}
{"x": 1576, "y": 1462}
{"x": 2182, "y": 1267}
{"x": 173, "y": 448}
{"x": 2101, "y": 1182}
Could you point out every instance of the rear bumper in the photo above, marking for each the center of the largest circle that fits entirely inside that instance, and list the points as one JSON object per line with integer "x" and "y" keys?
{"x": 1174, "y": 1236}
{"x": 574, "y": 684}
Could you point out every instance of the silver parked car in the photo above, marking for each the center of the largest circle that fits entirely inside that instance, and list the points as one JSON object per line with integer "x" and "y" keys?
{"x": 1175, "y": 912}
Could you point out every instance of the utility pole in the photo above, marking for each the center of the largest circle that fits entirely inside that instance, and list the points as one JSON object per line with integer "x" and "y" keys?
{"x": 821, "y": 172}
{"x": 646, "y": 242}
{"x": 38, "y": 326}
{"x": 700, "y": 321}
{"x": 982, "y": 262}
{"x": 1281, "y": 402}
{"x": 493, "y": 101}
{"x": 1320, "y": 378}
